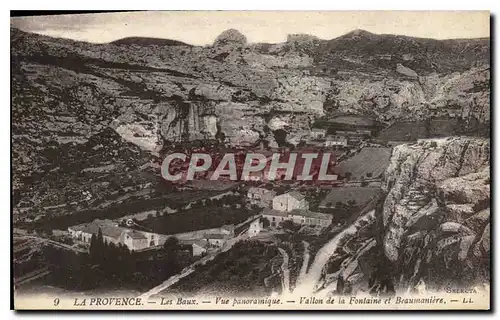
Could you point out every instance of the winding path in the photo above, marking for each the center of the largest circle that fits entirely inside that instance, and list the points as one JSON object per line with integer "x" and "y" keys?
{"x": 305, "y": 261}
{"x": 190, "y": 269}
{"x": 307, "y": 283}
{"x": 285, "y": 280}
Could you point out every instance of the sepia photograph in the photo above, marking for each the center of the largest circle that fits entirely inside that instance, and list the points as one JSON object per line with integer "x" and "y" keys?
{"x": 251, "y": 160}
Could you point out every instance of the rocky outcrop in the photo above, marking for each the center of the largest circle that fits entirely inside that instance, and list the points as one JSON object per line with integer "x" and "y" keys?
{"x": 154, "y": 94}
{"x": 436, "y": 213}
{"x": 406, "y": 71}
{"x": 231, "y": 37}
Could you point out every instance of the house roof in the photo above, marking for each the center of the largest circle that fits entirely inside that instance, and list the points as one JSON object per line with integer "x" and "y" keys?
{"x": 272, "y": 212}
{"x": 297, "y": 195}
{"x": 106, "y": 229}
{"x": 136, "y": 235}
{"x": 311, "y": 214}
{"x": 92, "y": 228}
{"x": 200, "y": 243}
{"x": 112, "y": 232}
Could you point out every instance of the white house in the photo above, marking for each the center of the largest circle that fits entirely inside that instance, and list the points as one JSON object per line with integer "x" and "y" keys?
{"x": 199, "y": 247}
{"x": 112, "y": 233}
{"x": 310, "y": 218}
{"x": 216, "y": 239}
{"x": 255, "y": 227}
{"x": 275, "y": 217}
{"x": 290, "y": 201}
{"x": 336, "y": 141}
{"x": 317, "y": 133}
{"x": 298, "y": 216}
{"x": 260, "y": 197}
{"x": 135, "y": 240}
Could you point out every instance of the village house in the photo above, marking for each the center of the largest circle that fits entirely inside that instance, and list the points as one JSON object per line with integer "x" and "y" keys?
{"x": 317, "y": 133}
{"x": 135, "y": 240}
{"x": 76, "y": 231}
{"x": 275, "y": 217}
{"x": 336, "y": 141}
{"x": 199, "y": 247}
{"x": 227, "y": 229}
{"x": 255, "y": 227}
{"x": 298, "y": 216}
{"x": 260, "y": 197}
{"x": 290, "y": 201}
{"x": 216, "y": 239}
{"x": 355, "y": 136}
{"x": 111, "y": 233}
{"x": 310, "y": 218}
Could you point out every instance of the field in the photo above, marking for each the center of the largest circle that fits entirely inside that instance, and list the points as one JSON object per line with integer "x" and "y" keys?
{"x": 431, "y": 128}
{"x": 368, "y": 163}
{"x": 347, "y": 123}
{"x": 197, "y": 218}
{"x": 358, "y": 196}
{"x": 123, "y": 207}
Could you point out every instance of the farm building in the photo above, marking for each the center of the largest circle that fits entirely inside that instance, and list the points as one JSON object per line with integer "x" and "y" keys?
{"x": 199, "y": 247}
{"x": 310, "y": 218}
{"x": 336, "y": 141}
{"x": 290, "y": 201}
{"x": 255, "y": 227}
{"x": 260, "y": 197}
{"x": 274, "y": 216}
{"x": 299, "y": 216}
{"x": 111, "y": 233}
{"x": 356, "y": 196}
{"x": 216, "y": 239}
{"x": 317, "y": 133}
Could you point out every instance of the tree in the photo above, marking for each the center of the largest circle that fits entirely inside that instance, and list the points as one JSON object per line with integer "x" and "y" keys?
{"x": 369, "y": 174}
{"x": 348, "y": 175}
{"x": 289, "y": 225}
{"x": 171, "y": 244}
{"x": 97, "y": 247}
{"x": 265, "y": 222}
{"x": 93, "y": 248}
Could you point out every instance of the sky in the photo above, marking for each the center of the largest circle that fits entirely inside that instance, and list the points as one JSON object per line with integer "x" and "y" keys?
{"x": 202, "y": 27}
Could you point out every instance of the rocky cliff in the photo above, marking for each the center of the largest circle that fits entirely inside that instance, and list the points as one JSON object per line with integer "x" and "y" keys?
{"x": 138, "y": 96}
{"x": 436, "y": 216}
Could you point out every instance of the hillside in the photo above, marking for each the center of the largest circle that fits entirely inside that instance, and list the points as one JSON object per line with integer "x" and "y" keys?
{"x": 96, "y": 115}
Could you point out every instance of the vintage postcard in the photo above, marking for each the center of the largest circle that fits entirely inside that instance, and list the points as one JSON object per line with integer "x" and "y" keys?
{"x": 185, "y": 160}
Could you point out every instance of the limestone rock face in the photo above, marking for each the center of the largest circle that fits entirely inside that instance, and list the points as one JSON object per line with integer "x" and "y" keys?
{"x": 406, "y": 71}
{"x": 437, "y": 211}
{"x": 121, "y": 105}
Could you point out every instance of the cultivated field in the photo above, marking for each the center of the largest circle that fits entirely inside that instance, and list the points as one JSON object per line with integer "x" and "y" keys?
{"x": 368, "y": 163}
{"x": 357, "y": 196}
